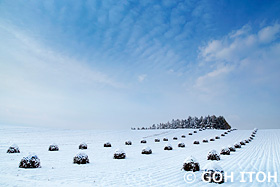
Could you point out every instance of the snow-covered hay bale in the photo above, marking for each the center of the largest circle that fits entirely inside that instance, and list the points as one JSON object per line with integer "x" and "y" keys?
{"x": 143, "y": 141}
{"x": 191, "y": 164}
{"x": 205, "y": 140}
{"x": 175, "y": 138}
{"x": 168, "y": 147}
{"x": 53, "y": 147}
{"x": 181, "y": 144}
{"x": 252, "y": 135}
{"x": 242, "y": 143}
{"x": 190, "y": 133}
{"x": 246, "y": 141}
{"x": 225, "y": 151}
{"x": 200, "y": 129}
{"x": 31, "y": 161}
{"x": 217, "y": 137}
{"x": 183, "y": 136}
{"x": 213, "y": 155}
{"x": 222, "y": 135}
{"x": 231, "y": 148}
{"x": 237, "y": 145}
{"x": 128, "y": 142}
{"x": 194, "y": 131}
{"x": 13, "y": 149}
{"x": 83, "y": 146}
{"x": 165, "y": 139}
{"x": 226, "y": 132}
{"x": 157, "y": 140}
{"x": 212, "y": 139}
{"x": 146, "y": 150}
{"x": 195, "y": 142}
{"x": 107, "y": 144}
{"x": 119, "y": 154}
{"x": 251, "y": 138}
{"x": 212, "y": 172}
{"x": 81, "y": 158}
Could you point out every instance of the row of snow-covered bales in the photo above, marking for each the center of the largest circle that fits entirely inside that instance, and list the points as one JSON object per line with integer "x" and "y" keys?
{"x": 212, "y": 172}
{"x": 190, "y": 164}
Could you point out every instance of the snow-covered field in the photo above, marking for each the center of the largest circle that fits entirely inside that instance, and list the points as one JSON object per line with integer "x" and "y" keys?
{"x": 161, "y": 168}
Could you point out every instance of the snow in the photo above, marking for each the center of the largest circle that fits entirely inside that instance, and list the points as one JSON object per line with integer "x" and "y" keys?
{"x": 31, "y": 161}
{"x": 190, "y": 159}
{"x": 168, "y": 145}
{"x": 212, "y": 166}
{"x": 213, "y": 152}
{"x": 162, "y": 168}
{"x": 119, "y": 151}
{"x": 146, "y": 148}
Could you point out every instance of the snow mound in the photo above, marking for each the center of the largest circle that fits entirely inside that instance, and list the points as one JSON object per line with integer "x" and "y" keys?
{"x": 212, "y": 172}
{"x": 213, "y": 155}
{"x": 107, "y": 144}
{"x": 195, "y": 142}
{"x": 83, "y": 146}
{"x": 165, "y": 139}
{"x": 31, "y": 161}
{"x": 81, "y": 158}
{"x": 191, "y": 164}
{"x": 147, "y": 150}
{"x": 119, "y": 154}
{"x": 168, "y": 147}
{"x": 181, "y": 144}
{"x": 53, "y": 147}
{"x": 143, "y": 141}
{"x": 231, "y": 148}
{"x": 212, "y": 139}
{"x": 205, "y": 140}
{"x": 225, "y": 151}
{"x": 237, "y": 145}
{"x": 13, "y": 149}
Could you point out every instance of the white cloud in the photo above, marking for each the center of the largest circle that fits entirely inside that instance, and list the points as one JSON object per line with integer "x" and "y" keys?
{"x": 62, "y": 68}
{"x": 142, "y": 77}
{"x": 243, "y": 31}
{"x": 269, "y": 34}
{"x": 41, "y": 87}
{"x": 240, "y": 53}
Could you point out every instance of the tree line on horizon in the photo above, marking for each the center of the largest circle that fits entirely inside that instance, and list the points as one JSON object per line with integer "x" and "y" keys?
{"x": 208, "y": 122}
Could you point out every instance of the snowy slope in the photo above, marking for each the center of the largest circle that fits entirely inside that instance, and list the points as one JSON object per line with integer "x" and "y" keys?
{"x": 161, "y": 168}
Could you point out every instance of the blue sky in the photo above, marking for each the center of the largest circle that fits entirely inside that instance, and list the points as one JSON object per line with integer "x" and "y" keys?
{"x": 117, "y": 64}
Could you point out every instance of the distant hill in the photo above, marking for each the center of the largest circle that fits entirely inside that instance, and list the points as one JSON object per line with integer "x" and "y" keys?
{"x": 210, "y": 122}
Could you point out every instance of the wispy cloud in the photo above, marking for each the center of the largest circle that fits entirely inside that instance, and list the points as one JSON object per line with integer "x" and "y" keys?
{"x": 142, "y": 77}
{"x": 241, "y": 51}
